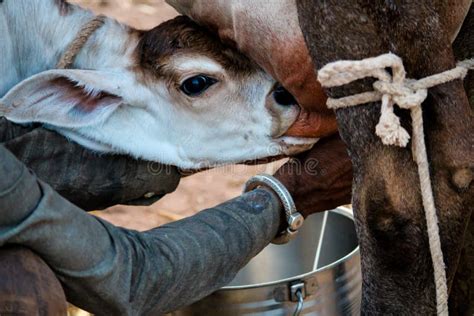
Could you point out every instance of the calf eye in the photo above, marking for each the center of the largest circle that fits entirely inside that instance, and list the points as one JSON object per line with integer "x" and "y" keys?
{"x": 196, "y": 85}
{"x": 283, "y": 97}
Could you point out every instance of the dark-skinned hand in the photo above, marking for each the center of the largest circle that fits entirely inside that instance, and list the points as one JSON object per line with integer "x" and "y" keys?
{"x": 320, "y": 179}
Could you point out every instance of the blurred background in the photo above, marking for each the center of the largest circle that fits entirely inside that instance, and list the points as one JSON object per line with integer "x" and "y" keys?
{"x": 196, "y": 192}
{"x": 142, "y": 14}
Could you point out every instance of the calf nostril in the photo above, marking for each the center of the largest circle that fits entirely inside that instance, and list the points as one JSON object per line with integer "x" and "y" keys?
{"x": 283, "y": 97}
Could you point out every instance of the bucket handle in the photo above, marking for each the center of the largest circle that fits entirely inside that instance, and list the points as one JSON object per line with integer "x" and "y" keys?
{"x": 297, "y": 292}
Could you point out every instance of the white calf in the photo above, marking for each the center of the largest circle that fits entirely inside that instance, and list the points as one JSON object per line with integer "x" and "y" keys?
{"x": 173, "y": 94}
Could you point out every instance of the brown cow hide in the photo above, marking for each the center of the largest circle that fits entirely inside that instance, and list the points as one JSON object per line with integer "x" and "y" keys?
{"x": 396, "y": 263}
{"x": 461, "y": 300}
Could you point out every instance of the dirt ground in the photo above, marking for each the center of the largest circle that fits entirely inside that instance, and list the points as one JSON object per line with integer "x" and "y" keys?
{"x": 194, "y": 193}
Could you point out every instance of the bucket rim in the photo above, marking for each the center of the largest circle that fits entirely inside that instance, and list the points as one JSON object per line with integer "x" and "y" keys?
{"x": 341, "y": 210}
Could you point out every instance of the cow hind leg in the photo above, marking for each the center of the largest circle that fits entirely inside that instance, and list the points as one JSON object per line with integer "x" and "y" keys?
{"x": 461, "y": 299}
{"x": 28, "y": 286}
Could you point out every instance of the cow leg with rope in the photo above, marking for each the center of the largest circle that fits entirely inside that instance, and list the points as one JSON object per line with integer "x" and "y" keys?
{"x": 408, "y": 94}
{"x": 396, "y": 260}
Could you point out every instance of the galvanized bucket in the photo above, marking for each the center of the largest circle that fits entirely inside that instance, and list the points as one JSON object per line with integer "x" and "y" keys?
{"x": 318, "y": 273}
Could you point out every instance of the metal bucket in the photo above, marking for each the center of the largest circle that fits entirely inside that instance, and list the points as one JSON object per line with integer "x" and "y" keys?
{"x": 318, "y": 273}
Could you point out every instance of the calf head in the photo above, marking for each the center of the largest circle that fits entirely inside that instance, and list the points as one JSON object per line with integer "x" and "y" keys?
{"x": 185, "y": 99}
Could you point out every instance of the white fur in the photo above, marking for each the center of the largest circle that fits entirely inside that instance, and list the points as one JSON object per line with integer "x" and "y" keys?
{"x": 198, "y": 64}
{"x": 228, "y": 123}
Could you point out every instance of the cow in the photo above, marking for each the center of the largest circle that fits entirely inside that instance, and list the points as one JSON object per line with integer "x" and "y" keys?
{"x": 396, "y": 263}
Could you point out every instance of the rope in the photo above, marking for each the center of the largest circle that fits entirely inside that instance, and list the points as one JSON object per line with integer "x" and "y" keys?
{"x": 78, "y": 43}
{"x": 407, "y": 94}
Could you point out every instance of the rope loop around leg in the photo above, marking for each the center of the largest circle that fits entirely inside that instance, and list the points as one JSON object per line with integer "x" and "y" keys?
{"x": 407, "y": 94}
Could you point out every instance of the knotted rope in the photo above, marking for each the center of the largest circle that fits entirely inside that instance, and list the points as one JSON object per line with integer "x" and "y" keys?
{"x": 407, "y": 94}
{"x": 81, "y": 39}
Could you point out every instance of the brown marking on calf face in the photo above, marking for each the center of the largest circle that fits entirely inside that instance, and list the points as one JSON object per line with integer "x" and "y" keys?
{"x": 183, "y": 36}
{"x": 63, "y": 6}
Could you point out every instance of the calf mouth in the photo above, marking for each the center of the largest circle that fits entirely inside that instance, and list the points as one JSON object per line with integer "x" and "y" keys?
{"x": 284, "y": 147}
{"x": 292, "y": 145}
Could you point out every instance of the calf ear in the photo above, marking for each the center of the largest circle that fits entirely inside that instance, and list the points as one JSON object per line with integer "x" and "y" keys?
{"x": 63, "y": 98}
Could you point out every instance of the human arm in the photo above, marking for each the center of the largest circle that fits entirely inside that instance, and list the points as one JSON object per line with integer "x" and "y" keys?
{"x": 319, "y": 179}
{"x": 110, "y": 270}
{"x": 89, "y": 180}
